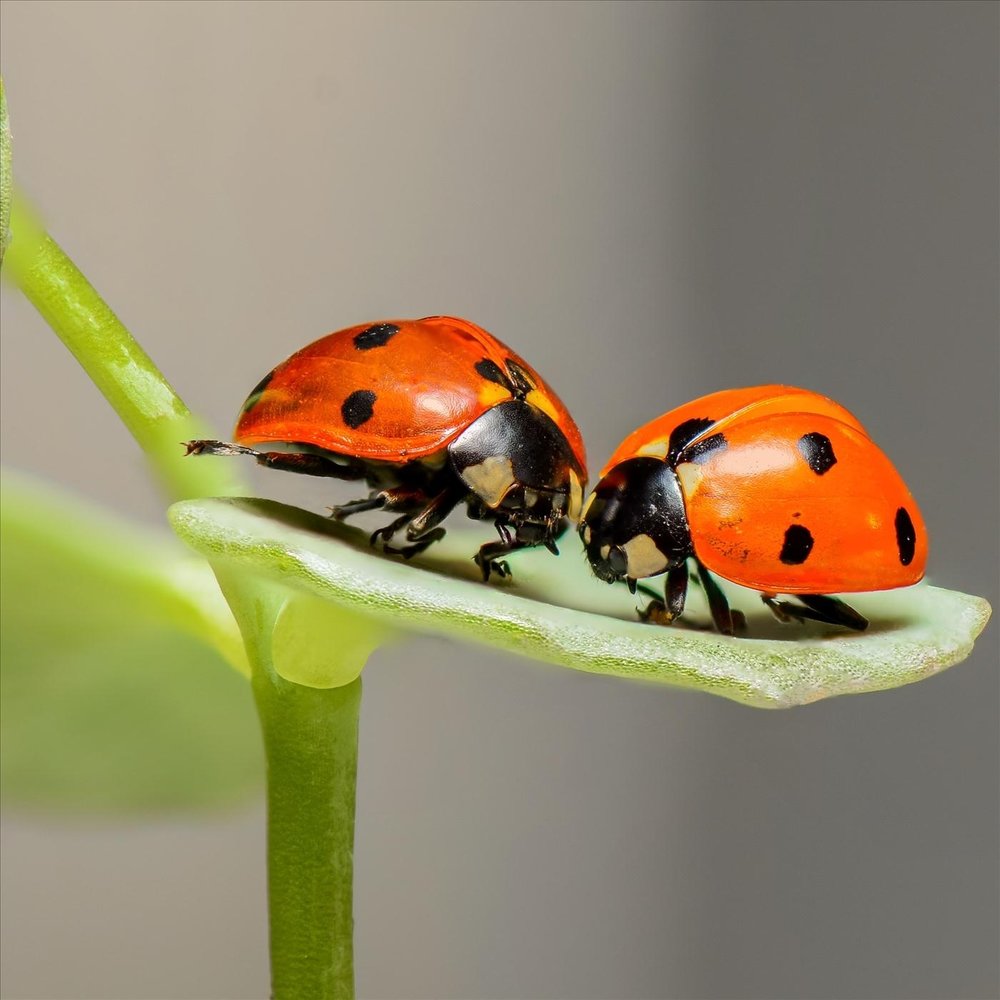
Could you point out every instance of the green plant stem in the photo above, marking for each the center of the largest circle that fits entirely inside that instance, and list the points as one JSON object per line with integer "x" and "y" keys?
{"x": 310, "y": 734}
{"x": 311, "y": 748}
{"x": 311, "y": 745}
{"x": 126, "y": 376}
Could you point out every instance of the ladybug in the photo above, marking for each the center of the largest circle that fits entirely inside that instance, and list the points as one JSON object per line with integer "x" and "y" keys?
{"x": 430, "y": 413}
{"x": 774, "y": 488}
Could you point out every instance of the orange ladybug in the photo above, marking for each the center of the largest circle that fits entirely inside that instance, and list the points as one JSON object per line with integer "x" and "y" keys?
{"x": 775, "y": 488}
{"x": 430, "y": 413}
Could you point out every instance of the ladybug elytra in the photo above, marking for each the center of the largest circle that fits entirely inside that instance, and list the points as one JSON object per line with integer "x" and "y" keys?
{"x": 774, "y": 488}
{"x": 430, "y": 413}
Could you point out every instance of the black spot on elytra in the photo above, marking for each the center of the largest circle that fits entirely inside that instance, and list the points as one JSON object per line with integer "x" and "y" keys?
{"x": 492, "y": 372}
{"x": 683, "y": 434}
{"x": 818, "y": 452}
{"x": 797, "y": 545}
{"x": 257, "y": 392}
{"x": 358, "y": 407}
{"x": 701, "y": 450}
{"x": 375, "y": 336}
{"x": 906, "y": 536}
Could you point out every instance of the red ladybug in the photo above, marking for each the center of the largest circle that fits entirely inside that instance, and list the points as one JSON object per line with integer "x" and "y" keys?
{"x": 774, "y": 488}
{"x": 430, "y": 413}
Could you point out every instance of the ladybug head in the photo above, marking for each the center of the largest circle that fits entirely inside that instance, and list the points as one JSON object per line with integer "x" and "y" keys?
{"x": 537, "y": 516}
{"x": 634, "y": 524}
{"x": 520, "y": 469}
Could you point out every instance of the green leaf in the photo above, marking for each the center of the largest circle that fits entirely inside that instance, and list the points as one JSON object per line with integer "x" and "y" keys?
{"x": 115, "y": 695}
{"x": 914, "y": 633}
{"x": 315, "y": 646}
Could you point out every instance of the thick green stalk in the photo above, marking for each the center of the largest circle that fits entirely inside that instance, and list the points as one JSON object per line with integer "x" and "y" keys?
{"x": 310, "y": 734}
{"x": 311, "y": 748}
{"x": 126, "y": 376}
{"x": 311, "y": 745}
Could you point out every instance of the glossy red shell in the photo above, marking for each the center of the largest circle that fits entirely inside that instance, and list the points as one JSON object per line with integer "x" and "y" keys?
{"x": 769, "y": 495}
{"x": 415, "y": 383}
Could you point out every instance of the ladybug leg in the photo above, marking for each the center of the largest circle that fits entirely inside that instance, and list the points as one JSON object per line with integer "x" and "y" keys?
{"x": 409, "y": 551}
{"x": 393, "y": 499}
{"x": 420, "y": 517}
{"x": 818, "y": 608}
{"x": 374, "y": 502}
{"x": 307, "y": 465}
{"x": 726, "y": 620}
{"x": 674, "y": 592}
{"x": 777, "y": 608}
{"x": 834, "y": 611}
{"x": 490, "y": 559}
{"x": 422, "y": 529}
{"x": 215, "y": 448}
{"x": 386, "y": 532}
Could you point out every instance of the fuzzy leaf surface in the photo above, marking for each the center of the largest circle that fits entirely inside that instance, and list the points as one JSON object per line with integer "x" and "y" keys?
{"x": 555, "y": 610}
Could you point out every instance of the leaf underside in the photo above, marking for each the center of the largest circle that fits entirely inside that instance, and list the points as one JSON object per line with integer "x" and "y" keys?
{"x": 914, "y": 633}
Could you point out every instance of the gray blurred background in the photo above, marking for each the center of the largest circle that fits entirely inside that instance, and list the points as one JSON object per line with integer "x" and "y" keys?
{"x": 651, "y": 201}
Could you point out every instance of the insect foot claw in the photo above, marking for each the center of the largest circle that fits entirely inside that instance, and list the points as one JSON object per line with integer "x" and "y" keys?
{"x": 780, "y": 609}
{"x": 489, "y": 566}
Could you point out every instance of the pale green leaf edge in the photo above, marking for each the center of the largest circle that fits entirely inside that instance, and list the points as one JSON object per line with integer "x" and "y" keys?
{"x": 915, "y": 633}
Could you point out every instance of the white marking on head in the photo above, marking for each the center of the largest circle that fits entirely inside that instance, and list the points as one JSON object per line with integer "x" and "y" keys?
{"x": 690, "y": 475}
{"x": 575, "y": 497}
{"x": 490, "y": 479}
{"x": 643, "y": 557}
{"x": 654, "y": 449}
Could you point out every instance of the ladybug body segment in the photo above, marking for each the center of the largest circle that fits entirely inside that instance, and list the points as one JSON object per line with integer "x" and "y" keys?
{"x": 773, "y": 488}
{"x": 430, "y": 413}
